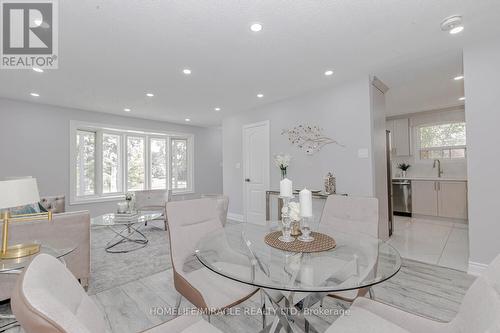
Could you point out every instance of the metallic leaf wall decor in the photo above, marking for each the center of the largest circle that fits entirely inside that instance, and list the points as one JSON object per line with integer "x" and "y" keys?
{"x": 309, "y": 139}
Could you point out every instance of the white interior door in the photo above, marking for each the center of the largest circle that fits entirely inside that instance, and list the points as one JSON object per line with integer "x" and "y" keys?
{"x": 255, "y": 171}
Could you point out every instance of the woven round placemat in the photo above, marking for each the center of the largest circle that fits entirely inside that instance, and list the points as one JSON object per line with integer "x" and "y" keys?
{"x": 320, "y": 243}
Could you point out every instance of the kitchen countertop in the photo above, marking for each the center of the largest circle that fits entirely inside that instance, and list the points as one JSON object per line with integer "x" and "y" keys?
{"x": 451, "y": 179}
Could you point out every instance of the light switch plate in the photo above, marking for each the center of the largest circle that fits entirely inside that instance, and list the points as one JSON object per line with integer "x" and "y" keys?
{"x": 238, "y": 165}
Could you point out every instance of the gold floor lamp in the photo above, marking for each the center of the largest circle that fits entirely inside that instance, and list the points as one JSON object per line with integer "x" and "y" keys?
{"x": 15, "y": 193}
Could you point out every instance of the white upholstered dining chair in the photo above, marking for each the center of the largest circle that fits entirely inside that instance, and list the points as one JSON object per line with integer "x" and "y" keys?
{"x": 478, "y": 313}
{"x": 351, "y": 215}
{"x": 222, "y": 205}
{"x": 189, "y": 221}
{"x": 48, "y": 299}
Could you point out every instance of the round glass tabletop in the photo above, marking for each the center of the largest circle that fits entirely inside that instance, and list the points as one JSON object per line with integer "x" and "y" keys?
{"x": 115, "y": 219}
{"x": 240, "y": 253}
{"x": 12, "y": 265}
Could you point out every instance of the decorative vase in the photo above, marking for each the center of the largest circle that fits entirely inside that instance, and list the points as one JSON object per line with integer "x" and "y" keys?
{"x": 330, "y": 184}
{"x": 403, "y": 173}
{"x": 130, "y": 206}
{"x": 122, "y": 207}
{"x": 283, "y": 173}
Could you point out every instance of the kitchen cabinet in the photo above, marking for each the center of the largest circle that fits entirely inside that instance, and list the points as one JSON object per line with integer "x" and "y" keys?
{"x": 440, "y": 198}
{"x": 424, "y": 197}
{"x": 452, "y": 199}
{"x": 400, "y": 136}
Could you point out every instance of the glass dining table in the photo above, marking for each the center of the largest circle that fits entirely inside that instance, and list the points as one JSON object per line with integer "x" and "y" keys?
{"x": 294, "y": 281}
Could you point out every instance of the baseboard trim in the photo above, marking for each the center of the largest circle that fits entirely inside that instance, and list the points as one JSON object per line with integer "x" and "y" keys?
{"x": 476, "y": 268}
{"x": 236, "y": 217}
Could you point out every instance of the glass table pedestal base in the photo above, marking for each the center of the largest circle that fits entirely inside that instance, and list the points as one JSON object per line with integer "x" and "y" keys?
{"x": 290, "y": 317}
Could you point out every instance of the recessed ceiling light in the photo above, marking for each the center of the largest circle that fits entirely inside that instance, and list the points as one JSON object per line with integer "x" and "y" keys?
{"x": 187, "y": 119}
{"x": 186, "y": 71}
{"x": 458, "y": 78}
{"x": 329, "y": 72}
{"x": 260, "y": 95}
{"x": 150, "y": 94}
{"x": 256, "y": 27}
{"x": 34, "y": 94}
{"x": 461, "y": 99}
{"x": 452, "y": 24}
{"x": 38, "y": 70}
{"x": 127, "y": 110}
{"x": 217, "y": 109}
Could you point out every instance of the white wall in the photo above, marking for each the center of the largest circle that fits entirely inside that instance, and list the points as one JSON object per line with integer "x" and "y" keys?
{"x": 482, "y": 72}
{"x": 344, "y": 113}
{"x": 452, "y": 169}
{"x": 34, "y": 141}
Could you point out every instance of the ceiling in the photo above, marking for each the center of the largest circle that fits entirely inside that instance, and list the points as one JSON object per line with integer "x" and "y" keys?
{"x": 112, "y": 52}
{"x": 424, "y": 84}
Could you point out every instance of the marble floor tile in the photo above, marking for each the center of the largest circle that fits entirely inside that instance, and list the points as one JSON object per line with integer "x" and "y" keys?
{"x": 435, "y": 241}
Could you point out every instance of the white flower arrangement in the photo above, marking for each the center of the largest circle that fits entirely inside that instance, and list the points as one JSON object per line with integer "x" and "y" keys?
{"x": 282, "y": 161}
{"x": 129, "y": 196}
{"x": 294, "y": 211}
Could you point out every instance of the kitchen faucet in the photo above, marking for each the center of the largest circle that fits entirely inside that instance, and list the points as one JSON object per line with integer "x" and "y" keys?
{"x": 440, "y": 171}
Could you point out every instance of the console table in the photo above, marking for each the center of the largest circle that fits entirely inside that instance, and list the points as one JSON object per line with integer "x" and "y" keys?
{"x": 317, "y": 195}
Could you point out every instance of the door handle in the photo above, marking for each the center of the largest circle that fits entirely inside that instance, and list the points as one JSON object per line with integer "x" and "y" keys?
{"x": 247, "y": 180}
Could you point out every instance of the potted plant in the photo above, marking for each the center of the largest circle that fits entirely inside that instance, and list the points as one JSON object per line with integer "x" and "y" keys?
{"x": 282, "y": 161}
{"x": 403, "y": 167}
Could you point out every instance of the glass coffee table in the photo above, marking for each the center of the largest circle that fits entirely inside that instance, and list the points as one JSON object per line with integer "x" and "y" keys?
{"x": 239, "y": 253}
{"x": 127, "y": 234}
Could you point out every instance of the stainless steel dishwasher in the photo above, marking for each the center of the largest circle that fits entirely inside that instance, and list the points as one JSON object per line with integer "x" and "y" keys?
{"x": 401, "y": 196}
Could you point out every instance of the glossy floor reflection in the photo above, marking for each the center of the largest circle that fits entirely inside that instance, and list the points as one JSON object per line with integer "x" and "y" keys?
{"x": 438, "y": 242}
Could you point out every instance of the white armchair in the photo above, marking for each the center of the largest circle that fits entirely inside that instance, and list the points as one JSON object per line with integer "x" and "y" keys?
{"x": 153, "y": 200}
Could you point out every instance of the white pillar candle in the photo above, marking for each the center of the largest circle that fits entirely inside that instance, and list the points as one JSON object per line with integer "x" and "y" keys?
{"x": 286, "y": 188}
{"x": 305, "y": 197}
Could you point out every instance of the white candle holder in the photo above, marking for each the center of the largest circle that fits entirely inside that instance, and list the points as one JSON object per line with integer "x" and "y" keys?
{"x": 305, "y": 228}
{"x": 286, "y": 222}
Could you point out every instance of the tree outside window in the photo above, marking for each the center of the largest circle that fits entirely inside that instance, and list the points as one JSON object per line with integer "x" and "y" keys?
{"x": 442, "y": 141}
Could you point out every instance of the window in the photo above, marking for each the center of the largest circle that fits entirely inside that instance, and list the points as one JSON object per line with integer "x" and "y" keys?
{"x": 85, "y": 161}
{"x": 136, "y": 168}
{"x": 111, "y": 163}
{"x": 107, "y": 162}
{"x": 159, "y": 163}
{"x": 442, "y": 141}
{"x": 179, "y": 164}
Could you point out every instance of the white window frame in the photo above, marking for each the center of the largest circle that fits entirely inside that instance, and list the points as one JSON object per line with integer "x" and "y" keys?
{"x": 417, "y": 147}
{"x": 124, "y": 132}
